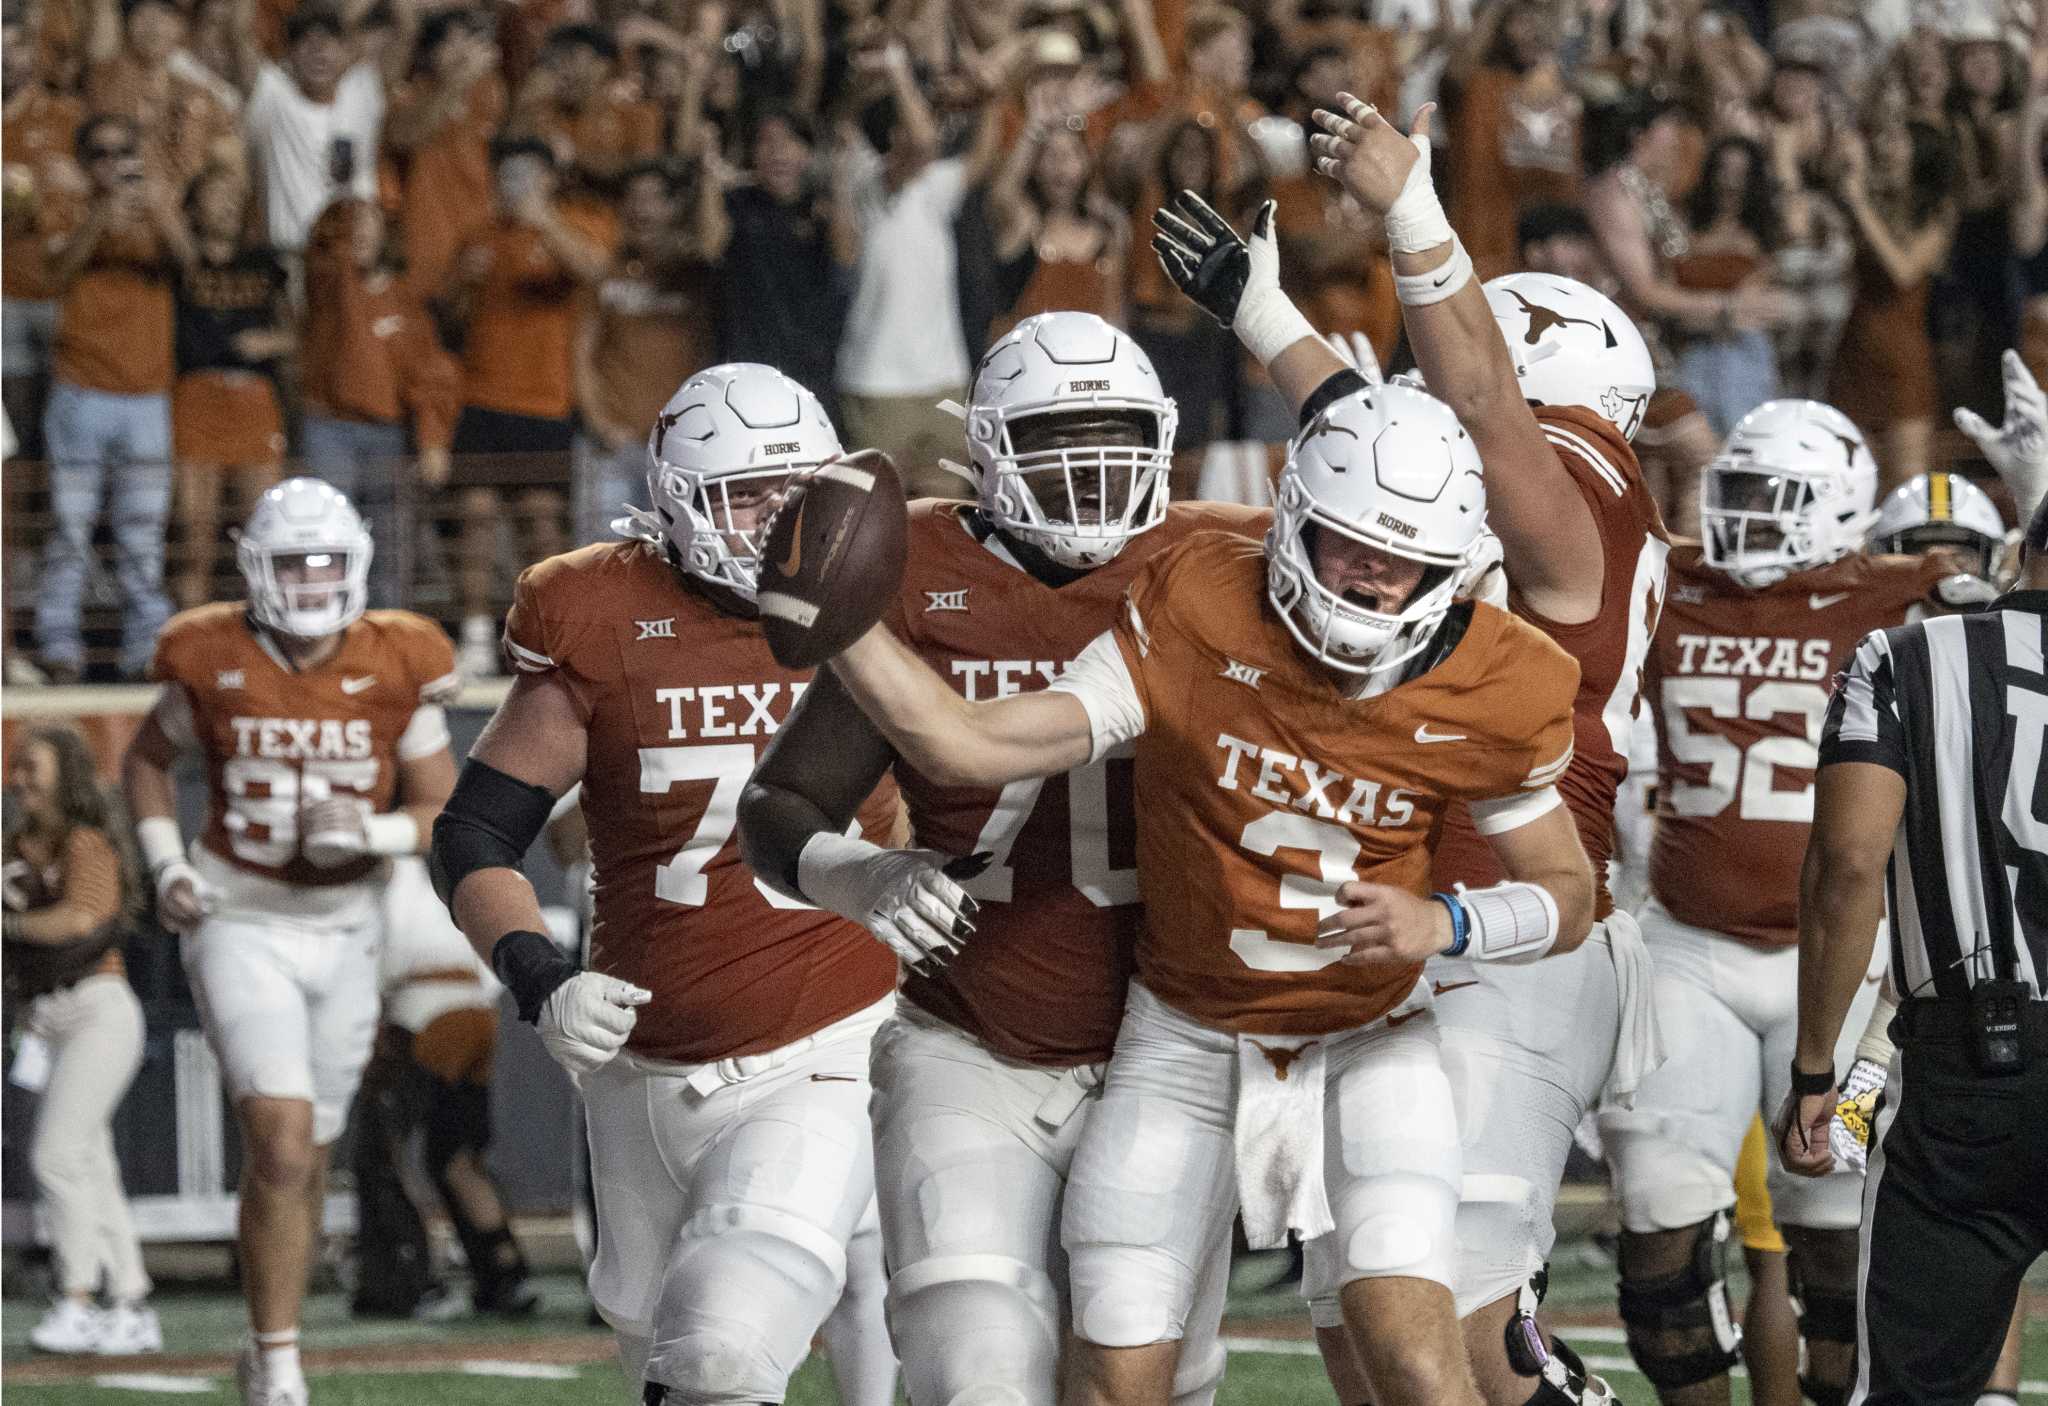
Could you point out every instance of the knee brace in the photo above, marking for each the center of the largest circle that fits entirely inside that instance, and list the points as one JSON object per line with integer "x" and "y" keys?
{"x": 1679, "y": 1328}
{"x": 1561, "y": 1374}
{"x": 741, "y": 1299}
{"x": 1825, "y": 1296}
{"x": 976, "y": 1330}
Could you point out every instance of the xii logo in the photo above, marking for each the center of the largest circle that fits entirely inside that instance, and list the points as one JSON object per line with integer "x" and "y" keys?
{"x": 664, "y": 629}
{"x": 946, "y": 600}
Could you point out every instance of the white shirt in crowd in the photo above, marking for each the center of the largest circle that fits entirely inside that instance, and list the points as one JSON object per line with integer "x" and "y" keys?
{"x": 903, "y": 331}
{"x": 292, "y": 139}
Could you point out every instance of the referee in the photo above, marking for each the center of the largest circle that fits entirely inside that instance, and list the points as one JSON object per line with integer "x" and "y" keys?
{"x": 1932, "y": 800}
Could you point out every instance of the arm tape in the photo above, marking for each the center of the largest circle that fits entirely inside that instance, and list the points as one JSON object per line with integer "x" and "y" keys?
{"x": 490, "y": 821}
{"x": 1339, "y": 385}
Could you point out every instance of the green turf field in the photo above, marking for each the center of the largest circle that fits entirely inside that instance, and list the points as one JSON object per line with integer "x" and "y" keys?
{"x": 556, "y": 1360}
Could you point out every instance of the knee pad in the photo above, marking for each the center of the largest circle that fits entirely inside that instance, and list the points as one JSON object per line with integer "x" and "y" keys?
{"x": 976, "y": 1330}
{"x": 741, "y": 1299}
{"x": 1128, "y": 1295}
{"x": 1678, "y": 1325}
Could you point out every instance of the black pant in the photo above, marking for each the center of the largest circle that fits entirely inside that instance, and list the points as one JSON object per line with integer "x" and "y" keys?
{"x": 1955, "y": 1209}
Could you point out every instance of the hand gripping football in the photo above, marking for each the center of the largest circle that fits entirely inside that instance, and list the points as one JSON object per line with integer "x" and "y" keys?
{"x": 833, "y": 558}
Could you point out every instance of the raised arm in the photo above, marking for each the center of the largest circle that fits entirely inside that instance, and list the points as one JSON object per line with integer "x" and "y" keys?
{"x": 953, "y": 741}
{"x": 1908, "y": 257}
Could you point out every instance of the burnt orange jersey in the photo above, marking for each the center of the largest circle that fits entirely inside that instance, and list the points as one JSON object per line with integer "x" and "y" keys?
{"x": 1610, "y": 648}
{"x": 1740, "y": 681}
{"x": 1043, "y": 978}
{"x": 275, "y": 738}
{"x": 1261, "y": 787}
{"x": 679, "y": 699}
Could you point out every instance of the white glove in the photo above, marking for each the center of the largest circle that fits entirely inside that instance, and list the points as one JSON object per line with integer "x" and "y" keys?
{"x": 1855, "y": 1112}
{"x": 1355, "y": 350}
{"x": 2018, "y": 449}
{"x": 905, "y": 897}
{"x": 334, "y": 831}
{"x": 182, "y": 897}
{"x": 585, "y": 1020}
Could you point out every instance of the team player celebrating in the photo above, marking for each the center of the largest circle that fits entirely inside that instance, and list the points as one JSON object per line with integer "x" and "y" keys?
{"x": 326, "y": 750}
{"x": 1760, "y": 619}
{"x": 721, "y": 1033}
{"x": 1550, "y": 378}
{"x": 984, "y": 1077}
{"x": 1303, "y": 716}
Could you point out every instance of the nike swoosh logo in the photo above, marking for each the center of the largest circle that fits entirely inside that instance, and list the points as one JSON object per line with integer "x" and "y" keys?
{"x": 1440, "y": 282}
{"x": 1423, "y": 734}
{"x": 1394, "y": 1020}
{"x": 1438, "y": 988}
{"x": 355, "y": 686}
{"x": 788, "y": 565}
{"x": 1823, "y": 602}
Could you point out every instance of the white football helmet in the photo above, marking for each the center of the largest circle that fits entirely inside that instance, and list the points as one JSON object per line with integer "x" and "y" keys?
{"x": 1941, "y": 510}
{"x": 738, "y": 426}
{"x": 1573, "y": 345}
{"x": 1082, "y": 502}
{"x": 1793, "y": 488}
{"x": 1389, "y": 467}
{"x": 305, "y": 528}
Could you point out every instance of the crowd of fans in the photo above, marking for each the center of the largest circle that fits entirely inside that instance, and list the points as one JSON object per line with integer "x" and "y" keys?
{"x": 453, "y": 257}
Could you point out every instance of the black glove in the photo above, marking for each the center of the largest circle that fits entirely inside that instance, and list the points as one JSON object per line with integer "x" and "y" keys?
{"x": 1203, "y": 255}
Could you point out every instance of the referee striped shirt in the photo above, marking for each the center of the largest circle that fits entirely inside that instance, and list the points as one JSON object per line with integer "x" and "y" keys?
{"x": 1958, "y": 706}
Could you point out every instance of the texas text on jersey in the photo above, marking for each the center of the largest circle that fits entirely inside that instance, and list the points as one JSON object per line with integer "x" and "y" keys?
{"x": 275, "y": 737}
{"x": 1252, "y": 759}
{"x": 679, "y": 698}
{"x": 1741, "y": 681}
{"x": 1610, "y": 647}
{"x": 1059, "y": 898}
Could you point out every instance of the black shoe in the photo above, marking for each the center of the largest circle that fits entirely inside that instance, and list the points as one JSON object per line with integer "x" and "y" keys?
{"x": 515, "y": 1298}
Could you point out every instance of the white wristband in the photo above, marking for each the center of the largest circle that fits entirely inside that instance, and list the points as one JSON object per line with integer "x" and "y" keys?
{"x": 830, "y": 870}
{"x": 393, "y": 833}
{"x": 1270, "y": 325}
{"x": 1510, "y": 922}
{"x": 160, "y": 841}
{"x": 1876, "y": 1044}
{"x": 1416, "y": 220}
{"x": 1447, "y": 279}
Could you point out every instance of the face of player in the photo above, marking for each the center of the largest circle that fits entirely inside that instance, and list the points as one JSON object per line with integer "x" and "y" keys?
{"x": 1363, "y": 575}
{"x": 32, "y": 776}
{"x": 742, "y": 507}
{"x": 1753, "y": 493}
{"x": 310, "y": 580}
{"x": 1100, "y": 494}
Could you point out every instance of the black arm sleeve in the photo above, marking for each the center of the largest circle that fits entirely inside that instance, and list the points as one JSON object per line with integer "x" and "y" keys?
{"x": 490, "y": 821}
{"x": 825, "y": 760}
{"x": 1339, "y": 385}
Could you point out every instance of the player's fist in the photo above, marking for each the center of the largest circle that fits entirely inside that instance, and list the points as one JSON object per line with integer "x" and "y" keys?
{"x": 336, "y": 831}
{"x": 587, "y": 1019}
{"x": 909, "y": 898}
{"x": 1384, "y": 926}
{"x": 182, "y": 897}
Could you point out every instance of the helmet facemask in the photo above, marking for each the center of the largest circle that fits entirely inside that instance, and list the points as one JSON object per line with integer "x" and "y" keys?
{"x": 306, "y": 592}
{"x": 1358, "y": 630}
{"x": 1078, "y": 482}
{"x": 724, "y": 518}
{"x": 1763, "y": 522}
{"x": 1979, "y": 553}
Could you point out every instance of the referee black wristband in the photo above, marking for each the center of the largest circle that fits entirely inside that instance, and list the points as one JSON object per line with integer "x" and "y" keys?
{"x": 531, "y": 966}
{"x": 1806, "y": 1085}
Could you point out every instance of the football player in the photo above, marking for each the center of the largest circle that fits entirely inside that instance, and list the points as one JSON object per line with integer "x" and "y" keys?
{"x": 1550, "y": 378}
{"x": 1759, "y": 620}
{"x": 326, "y": 750}
{"x": 984, "y": 1078}
{"x": 721, "y": 1032}
{"x": 1303, "y": 716}
{"x": 1945, "y": 512}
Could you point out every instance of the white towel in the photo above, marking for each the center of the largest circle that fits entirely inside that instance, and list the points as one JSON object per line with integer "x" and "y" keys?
{"x": 1280, "y": 1139}
{"x": 1638, "y": 1048}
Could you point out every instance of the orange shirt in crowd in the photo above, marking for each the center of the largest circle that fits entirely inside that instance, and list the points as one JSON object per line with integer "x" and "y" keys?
{"x": 523, "y": 323}
{"x": 368, "y": 350}
{"x": 183, "y": 124}
{"x": 42, "y": 176}
{"x": 1509, "y": 151}
{"x": 114, "y": 323}
{"x": 448, "y": 197}
{"x": 647, "y": 331}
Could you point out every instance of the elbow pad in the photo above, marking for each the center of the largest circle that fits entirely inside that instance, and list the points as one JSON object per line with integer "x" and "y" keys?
{"x": 490, "y": 821}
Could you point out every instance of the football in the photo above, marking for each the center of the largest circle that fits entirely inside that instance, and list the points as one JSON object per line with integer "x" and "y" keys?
{"x": 833, "y": 558}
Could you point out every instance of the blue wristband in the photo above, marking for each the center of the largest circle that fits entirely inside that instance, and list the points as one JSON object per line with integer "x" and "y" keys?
{"x": 1460, "y": 927}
